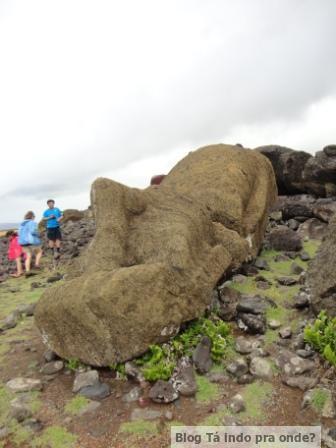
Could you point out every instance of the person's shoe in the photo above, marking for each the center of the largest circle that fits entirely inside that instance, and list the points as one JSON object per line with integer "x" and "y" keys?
{"x": 29, "y": 274}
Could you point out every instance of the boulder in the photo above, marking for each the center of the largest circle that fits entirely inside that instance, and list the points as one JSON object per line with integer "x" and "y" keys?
{"x": 157, "y": 254}
{"x": 283, "y": 238}
{"x": 228, "y": 299}
{"x": 296, "y": 206}
{"x": 185, "y": 381}
{"x": 313, "y": 229}
{"x": 324, "y": 209}
{"x": 261, "y": 368}
{"x": 320, "y": 174}
{"x": 163, "y": 392}
{"x": 322, "y": 274}
{"x": 72, "y": 215}
{"x": 202, "y": 355}
{"x": 288, "y": 166}
{"x": 300, "y": 172}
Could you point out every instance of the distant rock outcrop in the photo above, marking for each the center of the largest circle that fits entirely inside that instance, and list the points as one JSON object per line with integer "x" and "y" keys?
{"x": 157, "y": 254}
{"x": 322, "y": 274}
{"x": 300, "y": 172}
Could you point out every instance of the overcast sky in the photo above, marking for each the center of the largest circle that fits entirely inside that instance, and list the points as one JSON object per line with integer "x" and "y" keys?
{"x": 126, "y": 88}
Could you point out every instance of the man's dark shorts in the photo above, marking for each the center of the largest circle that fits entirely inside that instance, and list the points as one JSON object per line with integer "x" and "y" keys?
{"x": 54, "y": 234}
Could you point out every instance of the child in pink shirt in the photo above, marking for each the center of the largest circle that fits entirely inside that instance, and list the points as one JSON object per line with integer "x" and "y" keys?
{"x": 15, "y": 252}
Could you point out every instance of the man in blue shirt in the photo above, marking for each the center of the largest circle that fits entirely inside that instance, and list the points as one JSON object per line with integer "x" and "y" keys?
{"x": 52, "y": 216}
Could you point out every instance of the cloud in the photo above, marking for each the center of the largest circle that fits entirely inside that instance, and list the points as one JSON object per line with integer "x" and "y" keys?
{"x": 89, "y": 88}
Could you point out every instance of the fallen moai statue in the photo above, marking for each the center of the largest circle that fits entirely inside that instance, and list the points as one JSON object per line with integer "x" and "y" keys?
{"x": 157, "y": 255}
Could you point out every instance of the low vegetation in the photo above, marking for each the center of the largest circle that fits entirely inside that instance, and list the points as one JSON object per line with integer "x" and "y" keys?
{"x": 322, "y": 336}
{"x": 160, "y": 361}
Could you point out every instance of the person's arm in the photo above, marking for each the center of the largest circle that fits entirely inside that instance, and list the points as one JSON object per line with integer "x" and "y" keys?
{"x": 59, "y": 215}
{"x": 46, "y": 217}
{"x": 34, "y": 229}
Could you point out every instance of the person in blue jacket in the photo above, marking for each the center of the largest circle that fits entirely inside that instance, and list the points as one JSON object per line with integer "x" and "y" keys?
{"x": 52, "y": 216}
{"x": 29, "y": 239}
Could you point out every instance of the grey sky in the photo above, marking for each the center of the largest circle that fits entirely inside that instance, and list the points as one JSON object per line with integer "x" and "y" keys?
{"x": 125, "y": 88}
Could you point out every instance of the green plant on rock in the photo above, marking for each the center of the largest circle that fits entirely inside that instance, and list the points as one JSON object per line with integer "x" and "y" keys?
{"x": 120, "y": 369}
{"x": 73, "y": 364}
{"x": 322, "y": 336}
{"x": 159, "y": 361}
{"x": 215, "y": 329}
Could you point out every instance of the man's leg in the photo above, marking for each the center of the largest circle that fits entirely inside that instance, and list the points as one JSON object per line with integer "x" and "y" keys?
{"x": 58, "y": 237}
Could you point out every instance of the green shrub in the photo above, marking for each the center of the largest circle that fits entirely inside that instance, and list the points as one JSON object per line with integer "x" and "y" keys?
{"x": 159, "y": 361}
{"x": 73, "y": 364}
{"x": 322, "y": 336}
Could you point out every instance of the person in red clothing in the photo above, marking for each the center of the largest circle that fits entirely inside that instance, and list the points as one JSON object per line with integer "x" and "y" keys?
{"x": 15, "y": 252}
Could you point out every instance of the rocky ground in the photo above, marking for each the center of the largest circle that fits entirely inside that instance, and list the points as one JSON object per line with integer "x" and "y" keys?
{"x": 270, "y": 375}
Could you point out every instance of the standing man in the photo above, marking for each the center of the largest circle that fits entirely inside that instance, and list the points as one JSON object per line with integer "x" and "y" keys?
{"x": 52, "y": 216}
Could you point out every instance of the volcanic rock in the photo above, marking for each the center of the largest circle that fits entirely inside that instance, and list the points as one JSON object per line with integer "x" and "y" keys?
{"x": 322, "y": 274}
{"x": 157, "y": 254}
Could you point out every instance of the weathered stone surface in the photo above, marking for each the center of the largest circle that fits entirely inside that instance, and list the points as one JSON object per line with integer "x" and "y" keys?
{"x": 163, "y": 392}
{"x": 24, "y": 384}
{"x": 252, "y": 305}
{"x": 296, "y": 269}
{"x": 291, "y": 365}
{"x": 287, "y": 281}
{"x": 91, "y": 406}
{"x": 158, "y": 252}
{"x": 285, "y": 333}
{"x": 299, "y": 172}
{"x": 261, "y": 368}
{"x": 237, "y": 404}
{"x": 243, "y": 345}
{"x": 10, "y": 321}
{"x": 26, "y": 308}
{"x": 20, "y": 408}
{"x": 288, "y": 166}
{"x": 49, "y": 355}
{"x": 300, "y": 381}
{"x": 252, "y": 323}
{"x": 133, "y": 371}
{"x": 274, "y": 324}
{"x": 322, "y": 274}
{"x": 86, "y": 379}
{"x": 228, "y": 299}
{"x": 324, "y": 209}
{"x": 313, "y": 229}
{"x": 72, "y": 215}
{"x": 98, "y": 391}
{"x": 185, "y": 381}
{"x": 301, "y": 300}
{"x": 320, "y": 172}
{"x": 202, "y": 355}
{"x": 133, "y": 395}
{"x": 326, "y": 406}
{"x": 238, "y": 367}
{"x": 283, "y": 238}
{"x": 52, "y": 367}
